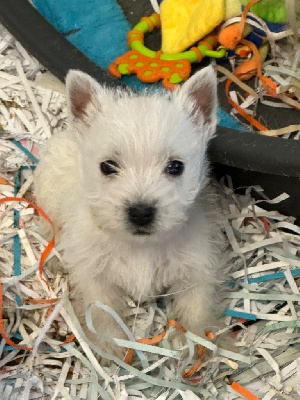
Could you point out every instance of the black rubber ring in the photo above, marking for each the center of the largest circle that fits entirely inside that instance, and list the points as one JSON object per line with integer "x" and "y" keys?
{"x": 248, "y": 151}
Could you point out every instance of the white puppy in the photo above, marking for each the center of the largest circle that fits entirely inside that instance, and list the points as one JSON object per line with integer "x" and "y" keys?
{"x": 124, "y": 187}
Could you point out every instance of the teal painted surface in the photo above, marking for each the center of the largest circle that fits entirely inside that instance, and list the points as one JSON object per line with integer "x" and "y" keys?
{"x": 99, "y": 28}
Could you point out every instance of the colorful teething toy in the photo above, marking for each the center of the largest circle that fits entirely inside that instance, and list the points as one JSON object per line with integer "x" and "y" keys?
{"x": 151, "y": 66}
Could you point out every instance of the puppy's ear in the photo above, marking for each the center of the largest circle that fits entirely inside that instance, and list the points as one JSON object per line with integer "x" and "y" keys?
{"x": 198, "y": 96}
{"x": 83, "y": 97}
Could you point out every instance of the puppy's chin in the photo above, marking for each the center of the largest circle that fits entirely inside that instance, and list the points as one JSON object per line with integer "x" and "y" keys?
{"x": 151, "y": 235}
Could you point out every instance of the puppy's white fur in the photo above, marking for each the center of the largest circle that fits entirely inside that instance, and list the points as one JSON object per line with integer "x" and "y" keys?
{"x": 141, "y": 133}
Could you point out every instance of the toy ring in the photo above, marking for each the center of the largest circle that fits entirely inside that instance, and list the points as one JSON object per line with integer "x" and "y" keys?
{"x": 151, "y": 66}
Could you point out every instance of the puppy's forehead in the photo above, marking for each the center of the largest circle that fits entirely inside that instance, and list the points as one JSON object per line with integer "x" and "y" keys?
{"x": 148, "y": 124}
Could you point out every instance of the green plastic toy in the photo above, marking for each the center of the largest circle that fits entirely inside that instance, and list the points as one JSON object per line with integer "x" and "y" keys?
{"x": 269, "y": 10}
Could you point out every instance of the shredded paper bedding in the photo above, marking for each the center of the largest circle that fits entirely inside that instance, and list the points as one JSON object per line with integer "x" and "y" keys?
{"x": 44, "y": 353}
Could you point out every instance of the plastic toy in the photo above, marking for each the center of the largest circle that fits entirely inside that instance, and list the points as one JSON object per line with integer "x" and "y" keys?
{"x": 241, "y": 35}
{"x": 273, "y": 11}
{"x": 151, "y": 66}
{"x": 231, "y": 37}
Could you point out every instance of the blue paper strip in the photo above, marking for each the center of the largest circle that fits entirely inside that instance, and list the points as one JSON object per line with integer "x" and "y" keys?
{"x": 17, "y": 244}
{"x": 26, "y": 151}
{"x": 240, "y": 314}
{"x": 276, "y": 275}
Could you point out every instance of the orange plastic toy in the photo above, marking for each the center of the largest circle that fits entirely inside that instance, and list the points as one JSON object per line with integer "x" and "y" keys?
{"x": 230, "y": 38}
{"x": 151, "y": 66}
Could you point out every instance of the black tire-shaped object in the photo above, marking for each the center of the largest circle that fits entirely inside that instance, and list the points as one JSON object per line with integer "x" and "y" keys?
{"x": 250, "y": 158}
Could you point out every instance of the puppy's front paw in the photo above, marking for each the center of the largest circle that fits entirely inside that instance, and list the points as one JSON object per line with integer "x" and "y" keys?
{"x": 111, "y": 349}
{"x": 108, "y": 346}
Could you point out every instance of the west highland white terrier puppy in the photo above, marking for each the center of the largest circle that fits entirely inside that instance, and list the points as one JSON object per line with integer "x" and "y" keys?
{"x": 125, "y": 188}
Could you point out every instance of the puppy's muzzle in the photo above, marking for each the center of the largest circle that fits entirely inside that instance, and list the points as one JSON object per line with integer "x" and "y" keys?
{"x": 141, "y": 214}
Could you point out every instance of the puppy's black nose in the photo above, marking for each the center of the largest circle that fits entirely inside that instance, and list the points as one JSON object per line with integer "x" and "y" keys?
{"x": 141, "y": 214}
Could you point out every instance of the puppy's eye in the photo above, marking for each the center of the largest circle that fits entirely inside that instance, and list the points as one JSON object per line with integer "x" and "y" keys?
{"x": 174, "y": 167}
{"x": 109, "y": 167}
